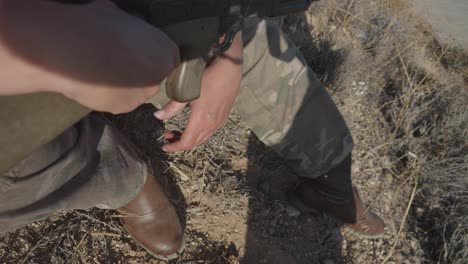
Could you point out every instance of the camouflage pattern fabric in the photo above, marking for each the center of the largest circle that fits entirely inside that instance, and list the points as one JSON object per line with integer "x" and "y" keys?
{"x": 90, "y": 165}
{"x": 286, "y": 106}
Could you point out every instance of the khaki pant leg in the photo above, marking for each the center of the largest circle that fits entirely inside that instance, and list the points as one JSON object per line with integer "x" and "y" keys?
{"x": 88, "y": 165}
{"x": 287, "y": 107}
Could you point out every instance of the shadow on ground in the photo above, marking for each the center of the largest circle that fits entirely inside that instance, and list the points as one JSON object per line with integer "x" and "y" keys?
{"x": 276, "y": 232}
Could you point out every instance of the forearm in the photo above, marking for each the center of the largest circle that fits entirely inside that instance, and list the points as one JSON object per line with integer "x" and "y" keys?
{"x": 234, "y": 55}
{"x": 230, "y": 62}
{"x": 45, "y": 45}
{"x": 67, "y": 47}
{"x": 17, "y": 76}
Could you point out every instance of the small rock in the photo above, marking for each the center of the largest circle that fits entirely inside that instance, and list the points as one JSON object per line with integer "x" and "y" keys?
{"x": 292, "y": 212}
{"x": 67, "y": 242}
{"x": 414, "y": 245}
{"x": 278, "y": 208}
{"x": 398, "y": 257}
{"x": 362, "y": 35}
{"x": 389, "y": 178}
{"x": 357, "y": 165}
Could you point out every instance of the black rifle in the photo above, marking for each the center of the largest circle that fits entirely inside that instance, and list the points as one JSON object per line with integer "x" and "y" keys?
{"x": 196, "y": 26}
{"x": 29, "y": 121}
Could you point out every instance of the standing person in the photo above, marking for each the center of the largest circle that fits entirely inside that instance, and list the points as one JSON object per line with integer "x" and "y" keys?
{"x": 113, "y": 62}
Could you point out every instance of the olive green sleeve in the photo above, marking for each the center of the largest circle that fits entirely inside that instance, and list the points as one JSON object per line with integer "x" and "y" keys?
{"x": 29, "y": 121}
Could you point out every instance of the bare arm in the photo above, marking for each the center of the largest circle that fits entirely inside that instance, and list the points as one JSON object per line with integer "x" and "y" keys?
{"x": 95, "y": 54}
{"x": 220, "y": 87}
{"x": 16, "y": 75}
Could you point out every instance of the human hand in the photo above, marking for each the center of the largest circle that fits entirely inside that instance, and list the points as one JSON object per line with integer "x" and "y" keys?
{"x": 220, "y": 86}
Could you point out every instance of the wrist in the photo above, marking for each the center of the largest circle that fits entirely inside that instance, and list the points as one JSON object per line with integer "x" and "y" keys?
{"x": 234, "y": 54}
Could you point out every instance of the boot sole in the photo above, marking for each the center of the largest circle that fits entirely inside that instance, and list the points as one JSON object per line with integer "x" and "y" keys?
{"x": 349, "y": 231}
{"x": 160, "y": 257}
{"x": 299, "y": 205}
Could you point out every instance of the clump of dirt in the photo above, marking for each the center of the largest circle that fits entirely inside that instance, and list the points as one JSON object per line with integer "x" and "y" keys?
{"x": 404, "y": 96}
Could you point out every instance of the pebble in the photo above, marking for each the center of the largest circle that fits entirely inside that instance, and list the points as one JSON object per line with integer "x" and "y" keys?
{"x": 389, "y": 178}
{"x": 278, "y": 208}
{"x": 414, "y": 245}
{"x": 362, "y": 35}
{"x": 356, "y": 168}
{"x": 292, "y": 212}
{"x": 398, "y": 257}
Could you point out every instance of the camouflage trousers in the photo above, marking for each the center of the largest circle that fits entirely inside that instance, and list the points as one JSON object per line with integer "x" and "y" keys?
{"x": 90, "y": 164}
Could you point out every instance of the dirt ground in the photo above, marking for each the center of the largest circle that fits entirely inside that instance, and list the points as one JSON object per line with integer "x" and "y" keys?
{"x": 403, "y": 95}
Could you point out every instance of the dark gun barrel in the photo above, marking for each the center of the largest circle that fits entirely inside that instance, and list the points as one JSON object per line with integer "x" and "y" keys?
{"x": 174, "y": 11}
{"x": 283, "y": 7}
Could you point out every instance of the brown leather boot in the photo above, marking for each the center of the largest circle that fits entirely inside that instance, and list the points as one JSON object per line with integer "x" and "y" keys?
{"x": 152, "y": 221}
{"x": 359, "y": 221}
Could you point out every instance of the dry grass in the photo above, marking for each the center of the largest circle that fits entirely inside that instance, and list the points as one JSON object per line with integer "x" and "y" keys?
{"x": 404, "y": 96}
{"x": 418, "y": 88}
{"x": 415, "y": 92}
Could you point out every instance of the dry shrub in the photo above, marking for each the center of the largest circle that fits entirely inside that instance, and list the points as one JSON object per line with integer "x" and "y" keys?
{"x": 442, "y": 210}
{"x": 415, "y": 93}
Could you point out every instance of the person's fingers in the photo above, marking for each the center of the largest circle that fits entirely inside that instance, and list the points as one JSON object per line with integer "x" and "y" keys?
{"x": 188, "y": 139}
{"x": 169, "y": 135}
{"x": 169, "y": 110}
{"x": 179, "y": 145}
{"x": 172, "y": 136}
